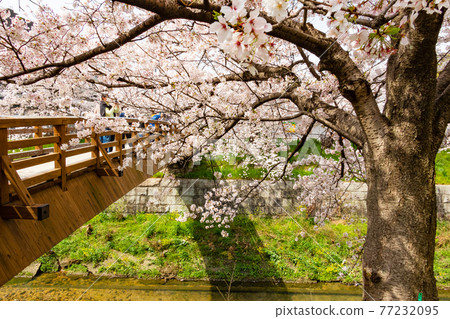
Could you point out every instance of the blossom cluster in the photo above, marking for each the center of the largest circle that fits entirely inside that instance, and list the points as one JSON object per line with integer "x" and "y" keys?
{"x": 243, "y": 35}
{"x": 344, "y": 25}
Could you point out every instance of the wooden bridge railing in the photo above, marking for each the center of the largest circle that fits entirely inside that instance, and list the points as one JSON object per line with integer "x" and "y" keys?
{"x": 47, "y": 145}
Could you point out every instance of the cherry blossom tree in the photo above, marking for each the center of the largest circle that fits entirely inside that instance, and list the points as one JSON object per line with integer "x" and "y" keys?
{"x": 375, "y": 75}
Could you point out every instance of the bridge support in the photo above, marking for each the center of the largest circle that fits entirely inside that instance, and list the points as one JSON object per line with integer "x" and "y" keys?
{"x": 35, "y": 212}
{"x": 29, "y": 210}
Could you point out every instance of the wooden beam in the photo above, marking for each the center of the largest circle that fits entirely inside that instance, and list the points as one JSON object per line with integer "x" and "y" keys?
{"x": 35, "y": 212}
{"x": 81, "y": 165}
{"x": 80, "y": 150}
{"x": 107, "y": 159}
{"x": 106, "y": 171}
{"x": 4, "y": 188}
{"x": 38, "y": 133}
{"x": 24, "y": 163}
{"x": 16, "y": 181}
{"x": 60, "y": 131}
{"x": 41, "y": 178}
{"x": 16, "y": 155}
{"x": 32, "y": 142}
{"x": 157, "y": 130}
{"x": 23, "y": 121}
{"x": 120, "y": 147}
{"x": 29, "y": 130}
{"x": 95, "y": 141}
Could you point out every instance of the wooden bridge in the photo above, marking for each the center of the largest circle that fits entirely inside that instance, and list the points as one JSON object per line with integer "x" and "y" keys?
{"x": 49, "y": 191}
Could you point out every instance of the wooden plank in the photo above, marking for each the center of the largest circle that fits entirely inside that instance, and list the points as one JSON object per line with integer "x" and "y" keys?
{"x": 38, "y": 179}
{"x": 107, "y": 133}
{"x": 80, "y": 150}
{"x": 157, "y": 130}
{"x": 16, "y": 181}
{"x": 32, "y": 142}
{"x": 107, "y": 159}
{"x": 71, "y": 136}
{"x": 106, "y": 171}
{"x": 24, "y": 163}
{"x": 110, "y": 144}
{"x": 37, "y": 134}
{"x": 35, "y": 212}
{"x": 81, "y": 165}
{"x": 95, "y": 142}
{"x": 4, "y": 188}
{"x": 112, "y": 155}
{"x": 13, "y": 131}
{"x": 23, "y": 121}
{"x": 60, "y": 131}
{"x": 120, "y": 147}
{"x": 35, "y": 121}
{"x": 21, "y": 155}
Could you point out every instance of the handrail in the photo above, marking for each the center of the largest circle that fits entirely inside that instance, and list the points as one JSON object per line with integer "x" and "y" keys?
{"x": 59, "y": 131}
{"x": 22, "y": 121}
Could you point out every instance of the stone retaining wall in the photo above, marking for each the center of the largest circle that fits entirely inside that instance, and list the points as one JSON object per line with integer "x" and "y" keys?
{"x": 163, "y": 195}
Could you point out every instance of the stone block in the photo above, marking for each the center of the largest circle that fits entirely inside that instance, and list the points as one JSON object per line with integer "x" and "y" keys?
{"x": 443, "y": 197}
{"x": 151, "y": 182}
{"x": 132, "y": 200}
{"x": 446, "y": 208}
{"x": 172, "y": 200}
{"x": 201, "y": 190}
{"x": 266, "y": 200}
{"x": 140, "y": 191}
{"x": 157, "y": 209}
{"x": 287, "y": 203}
{"x": 177, "y": 208}
{"x": 159, "y": 182}
{"x": 163, "y": 191}
{"x": 187, "y": 200}
{"x": 270, "y": 193}
{"x": 130, "y": 193}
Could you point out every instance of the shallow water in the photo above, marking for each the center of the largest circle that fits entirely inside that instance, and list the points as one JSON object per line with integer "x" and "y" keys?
{"x": 62, "y": 287}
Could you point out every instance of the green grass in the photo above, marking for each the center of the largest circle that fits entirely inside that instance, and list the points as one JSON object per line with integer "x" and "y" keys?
{"x": 443, "y": 167}
{"x": 154, "y": 246}
{"x": 206, "y": 168}
{"x": 442, "y": 255}
{"x": 237, "y": 170}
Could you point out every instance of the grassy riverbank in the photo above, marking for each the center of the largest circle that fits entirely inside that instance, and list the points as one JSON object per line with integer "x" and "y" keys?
{"x": 155, "y": 246}
{"x": 235, "y": 170}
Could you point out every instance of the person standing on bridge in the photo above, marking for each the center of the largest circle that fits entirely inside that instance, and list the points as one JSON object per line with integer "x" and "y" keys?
{"x": 106, "y": 110}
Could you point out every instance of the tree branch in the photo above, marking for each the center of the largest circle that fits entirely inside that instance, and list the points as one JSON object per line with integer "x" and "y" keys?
{"x": 338, "y": 120}
{"x": 108, "y": 47}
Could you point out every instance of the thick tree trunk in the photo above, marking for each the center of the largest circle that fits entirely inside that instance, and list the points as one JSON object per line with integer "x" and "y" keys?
{"x": 401, "y": 205}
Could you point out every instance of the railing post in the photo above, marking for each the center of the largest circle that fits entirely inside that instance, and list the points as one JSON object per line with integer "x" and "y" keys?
{"x": 120, "y": 140}
{"x": 4, "y": 188}
{"x": 60, "y": 130}
{"x": 95, "y": 141}
{"x": 157, "y": 130}
{"x": 38, "y": 133}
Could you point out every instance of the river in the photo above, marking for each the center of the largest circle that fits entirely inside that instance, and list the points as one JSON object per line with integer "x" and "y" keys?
{"x": 57, "y": 286}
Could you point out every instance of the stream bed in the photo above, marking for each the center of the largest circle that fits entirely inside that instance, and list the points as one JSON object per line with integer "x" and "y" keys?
{"x": 57, "y": 286}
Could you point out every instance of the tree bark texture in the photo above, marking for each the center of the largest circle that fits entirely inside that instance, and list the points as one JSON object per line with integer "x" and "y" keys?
{"x": 401, "y": 205}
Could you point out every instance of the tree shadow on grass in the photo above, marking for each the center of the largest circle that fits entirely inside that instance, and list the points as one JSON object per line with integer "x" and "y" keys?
{"x": 238, "y": 267}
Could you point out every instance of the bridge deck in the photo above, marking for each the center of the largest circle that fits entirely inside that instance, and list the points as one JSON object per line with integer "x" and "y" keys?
{"x": 72, "y": 185}
{"x": 47, "y": 167}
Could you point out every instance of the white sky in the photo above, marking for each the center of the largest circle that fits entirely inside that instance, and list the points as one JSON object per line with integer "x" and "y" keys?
{"x": 25, "y": 4}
